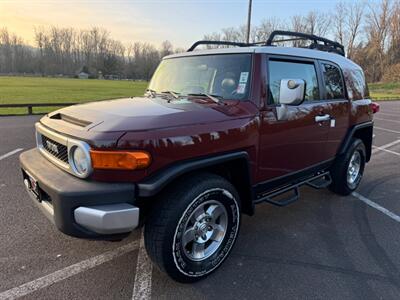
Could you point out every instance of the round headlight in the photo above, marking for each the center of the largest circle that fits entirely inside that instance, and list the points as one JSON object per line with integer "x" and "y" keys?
{"x": 80, "y": 160}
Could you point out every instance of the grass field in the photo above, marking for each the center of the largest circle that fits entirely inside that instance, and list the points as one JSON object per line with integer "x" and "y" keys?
{"x": 58, "y": 90}
{"x": 384, "y": 90}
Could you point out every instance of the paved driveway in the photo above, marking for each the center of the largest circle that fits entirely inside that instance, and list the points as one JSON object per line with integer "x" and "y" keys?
{"x": 323, "y": 246}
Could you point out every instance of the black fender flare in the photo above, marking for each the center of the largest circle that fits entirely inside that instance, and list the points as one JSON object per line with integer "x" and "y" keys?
{"x": 351, "y": 133}
{"x": 154, "y": 184}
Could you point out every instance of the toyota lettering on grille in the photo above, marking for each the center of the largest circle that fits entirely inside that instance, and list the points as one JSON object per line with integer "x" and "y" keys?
{"x": 52, "y": 147}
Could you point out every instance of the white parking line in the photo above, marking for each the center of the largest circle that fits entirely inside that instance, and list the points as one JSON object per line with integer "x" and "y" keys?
{"x": 383, "y": 147}
{"x": 47, "y": 280}
{"x": 376, "y": 206}
{"x": 144, "y": 268}
{"x": 387, "y": 120}
{"x": 386, "y": 150}
{"x": 384, "y": 129}
{"x": 393, "y": 115}
{"x": 11, "y": 153}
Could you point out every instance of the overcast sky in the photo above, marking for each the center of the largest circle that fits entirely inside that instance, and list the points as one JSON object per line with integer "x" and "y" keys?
{"x": 179, "y": 21}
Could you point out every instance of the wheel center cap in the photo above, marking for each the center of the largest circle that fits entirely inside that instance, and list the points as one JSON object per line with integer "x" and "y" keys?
{"x": 202, "y": 229}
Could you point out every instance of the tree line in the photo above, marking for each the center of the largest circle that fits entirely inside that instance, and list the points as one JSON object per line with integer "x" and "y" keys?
{"x": 370, "y": 32}
{"x": 67, "y": 52}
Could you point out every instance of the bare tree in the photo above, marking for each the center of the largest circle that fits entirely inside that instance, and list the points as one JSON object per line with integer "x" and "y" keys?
{"x": 377, "y": 28}
{"x": 339, "y": 22}
{"x": 317, "y": 23}
{"x": 347, "y": 24}
{"x": 215, "y": 36}
{"x": 263, "y": 31}
{"x": 15, "y": 55}
{"x": 232, "y": 34}
{"x": 378, "y": 22}
{"x": 355, "y": 16}
{"x": 370, "y": 32}
{"x": 166, "y": 48}
{"x": 394, "y": 35}
{"x": 298, "y": 24}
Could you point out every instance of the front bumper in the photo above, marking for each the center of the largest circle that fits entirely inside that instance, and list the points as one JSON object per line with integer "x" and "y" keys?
{"x": 78, "y": 207}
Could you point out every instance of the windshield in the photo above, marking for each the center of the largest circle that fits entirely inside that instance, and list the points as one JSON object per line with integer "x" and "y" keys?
{"x": 227, "y": 76}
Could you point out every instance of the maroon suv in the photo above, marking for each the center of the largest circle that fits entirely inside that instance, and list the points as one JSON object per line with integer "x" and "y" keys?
{"x": 217, "y": 132}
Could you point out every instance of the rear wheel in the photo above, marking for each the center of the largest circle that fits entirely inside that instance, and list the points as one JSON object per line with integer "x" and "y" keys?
{"x": 193, "y": 227}
{"x": 348, "y": 169}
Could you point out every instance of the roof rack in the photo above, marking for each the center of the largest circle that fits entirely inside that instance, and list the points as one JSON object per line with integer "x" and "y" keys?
{"x": 318, "y": 43}
{"x": 226, "y": 43}
{"x": 328, "y": 45}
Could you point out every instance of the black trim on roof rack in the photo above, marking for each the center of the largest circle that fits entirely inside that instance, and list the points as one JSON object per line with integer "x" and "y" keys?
{"x": 327, "y": 45}
{"x": 217, "y": 43}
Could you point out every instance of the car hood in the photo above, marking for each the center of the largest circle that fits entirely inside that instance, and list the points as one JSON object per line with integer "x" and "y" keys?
{"x": 142, "y": 113}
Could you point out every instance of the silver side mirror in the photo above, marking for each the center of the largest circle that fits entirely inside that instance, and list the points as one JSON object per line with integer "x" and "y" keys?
{"x": 291, "y": 91}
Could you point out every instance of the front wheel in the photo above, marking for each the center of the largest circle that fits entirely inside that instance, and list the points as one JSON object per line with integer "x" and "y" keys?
{"x": 348, "y": 169}
{"x": 193, "y": 227}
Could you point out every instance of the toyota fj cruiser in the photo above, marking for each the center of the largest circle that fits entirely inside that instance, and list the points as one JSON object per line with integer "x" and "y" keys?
{"x": 217, "y": 132}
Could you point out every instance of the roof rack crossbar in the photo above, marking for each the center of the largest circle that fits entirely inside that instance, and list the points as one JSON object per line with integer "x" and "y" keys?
{"x": 328, "y": 45}
{"x": 318, "y": 42}
{"x": 226, "y": 43}
{"x": 289, "y": 40}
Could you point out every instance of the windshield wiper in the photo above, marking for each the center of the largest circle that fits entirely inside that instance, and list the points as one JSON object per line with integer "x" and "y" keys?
{"x": 215, "y": 98}
{"x": 172, "y": 93}
{"x": 151, "y": 92}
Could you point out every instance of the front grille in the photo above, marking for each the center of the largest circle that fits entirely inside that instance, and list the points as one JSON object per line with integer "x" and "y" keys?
{"x": 54, "y": 148}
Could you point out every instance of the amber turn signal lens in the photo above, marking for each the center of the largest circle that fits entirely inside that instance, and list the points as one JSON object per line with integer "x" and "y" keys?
{"x": 119, "y": 160}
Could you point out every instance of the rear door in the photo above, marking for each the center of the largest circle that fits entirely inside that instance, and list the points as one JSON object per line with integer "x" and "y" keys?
{"x": 337, "y": 105}
{"x": 298, "y": 140}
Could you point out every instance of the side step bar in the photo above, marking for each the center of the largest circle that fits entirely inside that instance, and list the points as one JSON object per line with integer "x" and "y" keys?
{"x": 319, "y": 181}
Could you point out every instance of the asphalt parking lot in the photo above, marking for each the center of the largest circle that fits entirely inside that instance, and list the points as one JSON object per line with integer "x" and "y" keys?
{"x": 321, "y": 247}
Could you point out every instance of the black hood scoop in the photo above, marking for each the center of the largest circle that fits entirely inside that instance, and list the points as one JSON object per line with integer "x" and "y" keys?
{"x": 71, "y": 120}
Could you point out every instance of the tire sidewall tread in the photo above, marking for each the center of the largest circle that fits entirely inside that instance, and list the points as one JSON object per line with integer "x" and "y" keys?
{"x": 339, "y": 169}
{"x": 169, "y": 209}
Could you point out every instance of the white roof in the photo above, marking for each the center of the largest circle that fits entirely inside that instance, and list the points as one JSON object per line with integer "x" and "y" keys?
{"x": 340, "y": 60}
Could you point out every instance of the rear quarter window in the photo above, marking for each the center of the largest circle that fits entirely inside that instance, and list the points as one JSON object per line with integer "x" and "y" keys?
{"x": 357, "y": 88}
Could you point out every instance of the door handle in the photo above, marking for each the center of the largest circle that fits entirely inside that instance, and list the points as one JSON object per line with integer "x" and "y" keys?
{"x": 322, "y": 118}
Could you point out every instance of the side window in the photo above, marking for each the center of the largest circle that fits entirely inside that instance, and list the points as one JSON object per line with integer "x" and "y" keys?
{"x": 357, "y": 88}
{"x": 333, "y": 82}
{"x": 279, "y": 70}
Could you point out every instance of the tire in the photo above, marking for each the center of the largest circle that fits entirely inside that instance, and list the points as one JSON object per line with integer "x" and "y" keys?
{"x": 344, "y": 183}
{"x": 207, "y": 208}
